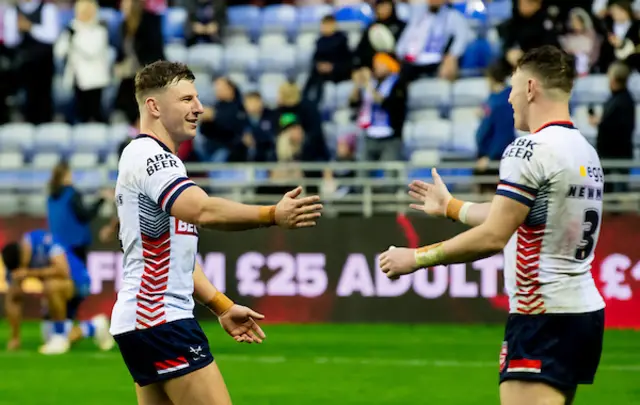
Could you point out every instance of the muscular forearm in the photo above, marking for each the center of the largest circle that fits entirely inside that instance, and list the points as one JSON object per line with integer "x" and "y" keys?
{"x": 226, "y": 215}
{"x": 207, "y": 294}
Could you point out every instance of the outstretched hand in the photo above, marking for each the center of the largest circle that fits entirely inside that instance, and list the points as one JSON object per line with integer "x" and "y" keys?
{"x": 239, "y": 322}
{"x": 293, "y": 212}
{"x": 432, "y": 198}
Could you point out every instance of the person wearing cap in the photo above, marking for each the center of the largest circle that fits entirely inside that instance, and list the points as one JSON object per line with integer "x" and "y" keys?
{"x": 382, "y": 104}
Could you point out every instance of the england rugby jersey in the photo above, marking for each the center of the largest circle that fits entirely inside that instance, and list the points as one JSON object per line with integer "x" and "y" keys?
{"x": 556, "y": 173}
{"x": 159, "y": 250}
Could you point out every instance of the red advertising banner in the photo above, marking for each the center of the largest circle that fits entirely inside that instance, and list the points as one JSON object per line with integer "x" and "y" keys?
{"x": 330, "y": 274}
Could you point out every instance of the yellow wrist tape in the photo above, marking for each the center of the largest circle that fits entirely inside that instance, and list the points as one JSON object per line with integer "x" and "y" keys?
{"x": 429, "y": 256}
{"x": 267, "y": 215}
{"x": 457, "y": 210}
{"x": 219, "y": 303}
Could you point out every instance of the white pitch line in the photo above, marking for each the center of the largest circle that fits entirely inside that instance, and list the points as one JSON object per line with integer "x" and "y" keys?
{"x": 376, "y": 362}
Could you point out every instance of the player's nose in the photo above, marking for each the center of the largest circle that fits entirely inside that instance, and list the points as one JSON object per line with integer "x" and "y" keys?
{"x": 197, "y": 107}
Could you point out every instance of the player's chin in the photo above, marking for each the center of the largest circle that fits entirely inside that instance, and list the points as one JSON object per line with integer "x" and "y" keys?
{"x": 190, "y": 129}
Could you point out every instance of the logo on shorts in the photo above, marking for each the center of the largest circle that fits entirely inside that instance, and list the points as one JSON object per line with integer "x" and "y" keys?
{"x": 197, "y": 352}
{"x": 503, "y": 356}
{"x": 169, "y": 366}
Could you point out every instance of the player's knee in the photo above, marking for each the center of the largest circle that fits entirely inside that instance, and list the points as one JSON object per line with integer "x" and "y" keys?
{"x": 515, "y": 392}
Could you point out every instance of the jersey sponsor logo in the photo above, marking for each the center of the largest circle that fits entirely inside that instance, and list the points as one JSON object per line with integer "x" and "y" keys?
{"x": 592, "y": 172}
{"x": 185, "y": 228}
{"x": 521, "y": 148}
{"x": 159, "y": 162}
{"x": 585, "y": 192}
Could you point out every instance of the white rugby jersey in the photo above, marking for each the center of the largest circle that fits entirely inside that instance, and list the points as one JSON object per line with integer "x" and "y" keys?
{"x": 557, "y": 173}
{"x": 159, "y": 250}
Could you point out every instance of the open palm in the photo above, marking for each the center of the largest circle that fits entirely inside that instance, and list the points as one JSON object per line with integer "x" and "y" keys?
{"x": 432, "y": 198}
{"x": 239, "y": 322}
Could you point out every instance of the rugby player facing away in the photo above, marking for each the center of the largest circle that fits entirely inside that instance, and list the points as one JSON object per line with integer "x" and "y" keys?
{"x": 546, "y": 216}
{"x": 160, "y": 210}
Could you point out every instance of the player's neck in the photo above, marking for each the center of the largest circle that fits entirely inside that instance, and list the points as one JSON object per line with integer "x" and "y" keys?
{"x": 161, "y": 134}
{"x": 541, "y": 115}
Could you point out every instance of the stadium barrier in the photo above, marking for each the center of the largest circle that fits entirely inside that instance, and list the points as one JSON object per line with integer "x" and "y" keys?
{"x": 330, "y": 274}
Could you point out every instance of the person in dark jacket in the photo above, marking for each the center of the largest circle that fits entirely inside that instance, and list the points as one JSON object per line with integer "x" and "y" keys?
{"x": 617, "y": 123}
{"x": 260, "y": 129}
{"x": 223, "y": 125}
{"x": 67, "y": 215}
{"x": 207, "y": 19}
{"x": 331, "y": 60}
{"x": 496, "y": 130}
{"x": 385, "y": 15}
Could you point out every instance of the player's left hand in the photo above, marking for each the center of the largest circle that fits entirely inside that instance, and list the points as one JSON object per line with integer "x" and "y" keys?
{"x": 294, "y": 213}
{"x": 239, "y": 322}
{"x": 397, "y": 262}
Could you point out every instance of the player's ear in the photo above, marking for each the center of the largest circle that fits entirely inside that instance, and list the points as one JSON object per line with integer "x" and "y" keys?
{"x": 151, "y": 103}
{"x": 531, "y": 87}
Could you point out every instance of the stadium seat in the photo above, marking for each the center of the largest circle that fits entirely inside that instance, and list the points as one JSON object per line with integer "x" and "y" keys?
{"x": 403, "y": 11}
{"x": 244, "y": 19}
{"x": 328, "y": 97}
{"x": 52, "y": 137}
{"x": 16, "y": 137}
{"x": 425, "y": 157}
{"x": 239, "y": 38}
{"x": 278, "y": 59}
{"x": 228, "y": 175}
{"x": 90, "y": 179}
{"x": 305, "y": 47}
{"x": 117, "y": 133}
{"x": 173, "y": 23}
{"x": 9, "y": 204}
{"x": 424, "y": 114}
{"x": 470, "y": 92}
{"x": 45, "y": 160}
{"x": 465, "y": 114}
{"x": 342, "y": 116}
{"x": 280, "y": 18}
{"x": 83, "y": 160}
{"x": 309, "y": 17}
{"x": 464, "y": 137}
{"x": 206, "y": 57}
{"x": 343, "y": 93}
{"x": 591, "y": 89}
{"x": 301, "y": 79}
{"x": 34, "y": 204}
{"x": 241, "y": 58}
{"x": 204, "y": 86}
{"x": 498, "y": 11}
{"x": 272, "y": 40}
{"x": 430, "y": 134}
{"x": 91, "y": 137}
{"x": 269, "y": 85}
{"x": 11, "y": 160}
{"x": 306, "y": 40}
{"x": 429, "y": 93}
{"x": 176, "y": 52}
{"x": 242, "y": 81}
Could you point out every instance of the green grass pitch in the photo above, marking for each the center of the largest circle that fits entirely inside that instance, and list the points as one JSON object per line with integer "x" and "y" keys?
{"x": 318, "y": 364}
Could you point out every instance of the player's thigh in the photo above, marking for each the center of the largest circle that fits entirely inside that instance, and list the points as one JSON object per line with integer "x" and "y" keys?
{"x": 202, "y": 387}
{"x": 152, "y": 395}
{"x": 59, "y": 286}
{"x": 514, "y": 392}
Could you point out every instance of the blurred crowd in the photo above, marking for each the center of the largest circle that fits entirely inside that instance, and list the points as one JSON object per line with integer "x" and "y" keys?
{"x": 239, "y": 127}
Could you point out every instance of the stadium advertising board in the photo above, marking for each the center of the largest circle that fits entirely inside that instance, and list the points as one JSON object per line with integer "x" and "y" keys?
{"x": 330, "y": 274}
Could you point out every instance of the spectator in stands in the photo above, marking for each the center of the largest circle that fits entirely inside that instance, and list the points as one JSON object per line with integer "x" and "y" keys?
{"x": 432, "y": 44}
{"x": 30, "y": 30}
{"x": 259, "y": 135}
{"x": 84, "y": 45}
{"x": 496, "y": 130}
{"x": 617, "y": 123}
{"x": 138, "y": 48}
{"x": 289, "y": 150}
{"x": 581, "y": 41}
{"x": 382, "y": 102}
{"x": 207, "y": 19}
{"x": 345, "y": 153}
{"x": 530, "y": 27}
{"x": 385, "y": 15}
{"x": 68, "y": 217}
{"x": 331, "y": 60}
{"x": 600, "y": 8}
{"x": 623, "y": 36}
{"x": 308, "y": 116}
{"x": 223, "y": 126}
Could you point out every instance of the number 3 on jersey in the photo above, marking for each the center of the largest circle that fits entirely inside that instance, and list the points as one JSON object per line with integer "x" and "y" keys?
{"x": 590, "y": 226}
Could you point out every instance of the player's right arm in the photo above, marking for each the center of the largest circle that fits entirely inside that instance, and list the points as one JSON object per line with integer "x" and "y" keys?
{"x": 435, "y": 199}
{"x": 165, "y": 182}
{"x": 13, "y": 309}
